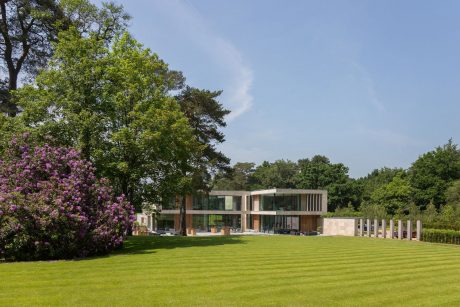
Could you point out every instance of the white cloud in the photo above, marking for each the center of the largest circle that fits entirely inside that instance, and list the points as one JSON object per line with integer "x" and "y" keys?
{"x": 238, "y": 75}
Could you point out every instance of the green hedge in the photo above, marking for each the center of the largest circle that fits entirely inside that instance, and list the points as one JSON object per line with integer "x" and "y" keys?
{"x": 441, "y": 236}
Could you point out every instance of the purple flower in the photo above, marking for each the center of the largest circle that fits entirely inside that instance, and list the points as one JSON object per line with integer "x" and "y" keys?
{"x": 60, "y": 198}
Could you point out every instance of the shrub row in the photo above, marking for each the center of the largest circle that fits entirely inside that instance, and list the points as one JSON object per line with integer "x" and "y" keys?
{"x": 441, "y": 236}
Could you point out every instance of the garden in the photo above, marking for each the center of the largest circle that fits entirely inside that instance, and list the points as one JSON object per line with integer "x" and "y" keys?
{"x": 243, "y": 271}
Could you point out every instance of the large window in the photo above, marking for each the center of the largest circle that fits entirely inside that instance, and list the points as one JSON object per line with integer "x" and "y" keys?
{"x": 206, "y": 221}
{"x": 165, "y": 221}
{"x": 171, "y": 204}
{"x": 279, "y": 223}
{"x": 216, "y": 202}
{"x": 280, "y": 203}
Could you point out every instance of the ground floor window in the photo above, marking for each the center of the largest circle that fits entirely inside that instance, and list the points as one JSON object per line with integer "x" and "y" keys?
{"x": 165, "y": 221}
{"x": 204, "y": 222}
{"x": 279, "y": 223}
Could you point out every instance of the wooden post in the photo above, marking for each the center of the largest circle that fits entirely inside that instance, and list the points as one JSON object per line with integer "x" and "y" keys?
{"x": 392, "y": 229}
{"x": 384, "y": 228}
{"x": 400, "y": 230}
{"x": 376, "y": 228}
{"x": 368, "y": 227}
{"x": 361, "y": 227}
{"x": 419, "y": 230}
{"x": 409, "y": 230}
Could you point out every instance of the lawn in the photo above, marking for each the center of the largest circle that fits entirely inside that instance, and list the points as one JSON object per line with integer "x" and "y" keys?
{"x": 226, "y": 271}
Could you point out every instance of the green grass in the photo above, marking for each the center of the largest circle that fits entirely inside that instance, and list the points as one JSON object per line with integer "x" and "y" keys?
{"x": 226, "y": 271}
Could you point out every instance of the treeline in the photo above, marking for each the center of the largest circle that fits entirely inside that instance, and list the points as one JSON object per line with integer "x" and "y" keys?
{"x": 76, "y": 77}
{"x": 431, "y": 185}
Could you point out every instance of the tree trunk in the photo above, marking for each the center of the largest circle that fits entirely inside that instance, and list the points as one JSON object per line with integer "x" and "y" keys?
{"x": 182, "y": 217}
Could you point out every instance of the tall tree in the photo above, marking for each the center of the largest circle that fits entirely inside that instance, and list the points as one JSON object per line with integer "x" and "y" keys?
{"x": 279, "y": 174}
{"x": 112, "y": 101}
{"x": 206, "y": 116}
{"x": 319, "y": 173}
{"x": 239, "y": 178}
{"x": 432, "y": 173}
{"x": 376, "y": 179}
{"x": 453, "y": 193}
{"x": 29, "y": 28}
{"x": 394, "y": 196}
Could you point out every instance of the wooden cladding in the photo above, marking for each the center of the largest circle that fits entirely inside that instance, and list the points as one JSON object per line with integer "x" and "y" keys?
{"x": 308, "y": 223}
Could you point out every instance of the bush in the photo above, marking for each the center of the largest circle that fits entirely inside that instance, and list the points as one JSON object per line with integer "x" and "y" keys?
{"x": 441, "y": 236}
{"x": 53, "y": 207}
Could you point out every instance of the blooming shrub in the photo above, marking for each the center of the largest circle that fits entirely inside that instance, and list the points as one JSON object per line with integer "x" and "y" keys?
{"x": 53, "y": 207}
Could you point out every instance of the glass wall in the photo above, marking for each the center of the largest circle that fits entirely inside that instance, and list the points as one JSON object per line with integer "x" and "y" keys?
{"x": 280, "y": 202}
{"x": 171, "y": 204}
{"x": 216, "y": 202}
{"x": 165, "y": 221}
{"x": 204, "y": 222}
{"x": 279, "y": 223}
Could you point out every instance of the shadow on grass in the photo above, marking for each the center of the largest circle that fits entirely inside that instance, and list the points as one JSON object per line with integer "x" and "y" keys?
{"x": 147, "y": 245}
{"x": 150, "y": 244}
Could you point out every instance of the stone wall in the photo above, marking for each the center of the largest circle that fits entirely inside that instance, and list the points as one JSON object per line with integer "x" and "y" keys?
{"x": 339, "y": 226}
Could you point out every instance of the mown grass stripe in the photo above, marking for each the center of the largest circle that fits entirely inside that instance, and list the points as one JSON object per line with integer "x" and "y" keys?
{"x": 244, "y": 271}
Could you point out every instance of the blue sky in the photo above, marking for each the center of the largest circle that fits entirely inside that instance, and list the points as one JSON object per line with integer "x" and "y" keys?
{"x": 366, "y": 83}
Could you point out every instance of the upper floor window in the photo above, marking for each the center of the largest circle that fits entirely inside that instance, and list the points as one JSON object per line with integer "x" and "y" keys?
{"x": 216, "y": 202}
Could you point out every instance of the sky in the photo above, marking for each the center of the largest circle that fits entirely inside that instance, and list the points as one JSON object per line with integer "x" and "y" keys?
{"x": 366, "y": 83}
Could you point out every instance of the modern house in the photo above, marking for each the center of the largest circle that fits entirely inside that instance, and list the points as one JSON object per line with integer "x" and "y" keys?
{"x": 272, "y": 211}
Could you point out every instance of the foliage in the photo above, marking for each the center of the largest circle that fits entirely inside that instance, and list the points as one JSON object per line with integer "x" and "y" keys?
{"x": 30, "y": 27}
{"x": 441, "y": 236}
{"x": 112, "y": 103}
{"x": 432, "y": 173}
{"x": 453, "y": 193}
{"x": 205, "y": 117}
{"x": 53, "y": 207}
{"x": 373, "y": 211}
{"x": 279, "y": 174}
{"x": 319, "y": 173}
{"x": 239, "y": 177}
{"x": 394, "y": 195}
{"x": 348, "y": 211}
{"x": 376, "y": 179}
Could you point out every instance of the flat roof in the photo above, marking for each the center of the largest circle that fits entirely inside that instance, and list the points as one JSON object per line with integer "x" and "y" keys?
{"x": 268, "y": 191}
{"x": 288, "y": 191}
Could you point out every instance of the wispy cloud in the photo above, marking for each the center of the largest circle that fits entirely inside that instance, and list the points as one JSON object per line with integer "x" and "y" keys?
{"x": 239, "y": 76}
{"x": 369, "y": 86}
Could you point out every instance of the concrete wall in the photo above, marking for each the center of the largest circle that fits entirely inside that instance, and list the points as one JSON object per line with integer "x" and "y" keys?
{"x": 336, "y": 226}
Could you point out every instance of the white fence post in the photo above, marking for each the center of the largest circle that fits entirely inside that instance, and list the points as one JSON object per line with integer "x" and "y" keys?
{"x": 361, "y": 227}
{"x": 419, "y": 230}
{"x": 368, "y": 227}
{"x": 409, "y": 230}
{"x": 376, "y": 228}
{"x": 384, "y": 228}
{"x": 392, "y": 229}
{"x": 400, "y": 230}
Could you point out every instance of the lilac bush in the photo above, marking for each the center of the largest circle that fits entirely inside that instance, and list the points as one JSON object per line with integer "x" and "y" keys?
{"x": 53, "y": 207}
